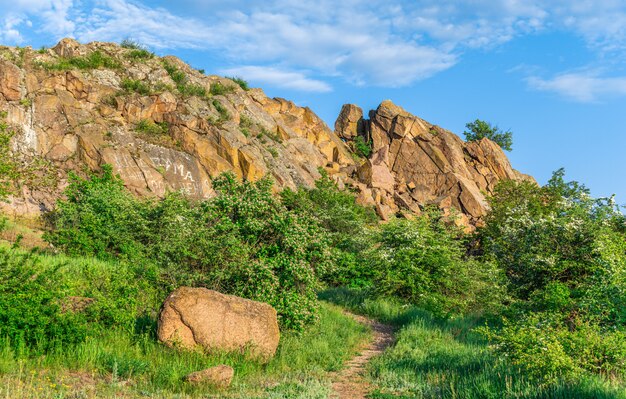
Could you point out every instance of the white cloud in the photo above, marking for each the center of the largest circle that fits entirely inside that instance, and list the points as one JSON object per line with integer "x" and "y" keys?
{"x": 53, "y": 16}
{"x": 581, "y": 86}
{"x": 115, "y": 20}
{"x": 371, "y": 42}
{"x": 279, "y": 78}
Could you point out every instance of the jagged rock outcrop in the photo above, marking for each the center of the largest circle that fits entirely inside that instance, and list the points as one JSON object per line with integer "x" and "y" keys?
{"x": 165, "y": 126}
{"x": 415, "y": 163}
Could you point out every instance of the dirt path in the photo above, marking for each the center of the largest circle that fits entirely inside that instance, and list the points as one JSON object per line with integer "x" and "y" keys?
{"x": 349, "y": 382}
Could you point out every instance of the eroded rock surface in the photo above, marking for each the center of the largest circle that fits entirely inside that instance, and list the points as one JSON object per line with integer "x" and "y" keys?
{"x": 159, "y": 135}
{"x": 215, "y": 321}
{"x": 415, "y": 163}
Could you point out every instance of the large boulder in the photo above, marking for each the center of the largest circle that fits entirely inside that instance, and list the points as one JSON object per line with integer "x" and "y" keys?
{"x": 349, "y": 123}
{"x": 193, "y": 317}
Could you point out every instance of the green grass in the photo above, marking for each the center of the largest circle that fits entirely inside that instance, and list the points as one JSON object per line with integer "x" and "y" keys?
{"x": 299, "y": 368}
{"x": 152, "y": 128}
{"x": 218, "y": 89}
{"x": 222, "y": 111}
{"x": 123, "y": 362}
{"x": 136, "y": 86}
{"x": 182, "y": 82}
{"x": 435, "y": 358}
{"x": 93, "y": 60}
{"x": 241, "y": 82}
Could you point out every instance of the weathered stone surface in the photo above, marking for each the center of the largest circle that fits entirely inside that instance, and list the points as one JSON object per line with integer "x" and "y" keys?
{"x": 84, "y": 117}
{"x": 79, "y": 118}
{"x": 10, "y": 79}
{"x": 219, "y": 376}
{"x": 439, "y": 167}
{"x": 198, "y": 316}
{"x": 350, "y": 122}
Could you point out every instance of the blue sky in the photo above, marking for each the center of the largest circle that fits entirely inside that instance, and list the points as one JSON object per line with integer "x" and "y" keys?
{"x": 552, "y": 71}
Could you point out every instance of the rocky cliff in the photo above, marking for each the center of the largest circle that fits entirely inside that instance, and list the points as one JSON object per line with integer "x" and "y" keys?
{"x": 164, "y": 126}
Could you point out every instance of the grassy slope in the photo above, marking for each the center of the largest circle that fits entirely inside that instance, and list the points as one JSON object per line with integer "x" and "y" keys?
{"x": 446, "y": 359}
{"x": 118, "y": 363}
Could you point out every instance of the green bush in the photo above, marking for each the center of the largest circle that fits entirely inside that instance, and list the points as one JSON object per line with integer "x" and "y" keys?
{"x": 348, "y": 223}
{"x": 549, "y": 351}
{"x": 243, "y": 241}
{"x": 152, "y": 128}
{"x": 421, "y": 261}
{"x": 241, "y": 82}
{"x": 481, "y": 129}
{"x": 224, "y": 114}
{"x": 559, "y": 247}
{"x": 361, "y": 147}
{"x": 136, "y": 86}
{"x": 564, "y": 255}
{"x": 218, "y": 89}
{"x": 100, "y": 218}
{"x": 182, "y": 82}
{"x": 30, "y": 311}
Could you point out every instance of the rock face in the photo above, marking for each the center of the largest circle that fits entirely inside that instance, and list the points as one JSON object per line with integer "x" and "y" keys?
{"x": 415, "y": 163}
{"x": 219, "y": 376}
{"x": 75, "y": 118}
{"x": 198, "y": 316}
{"x": 162, "y": 133}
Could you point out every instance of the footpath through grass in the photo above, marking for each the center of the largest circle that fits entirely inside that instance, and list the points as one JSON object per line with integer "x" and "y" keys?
{"x": 118, "y": 362}
{"x": 436, "y": 358}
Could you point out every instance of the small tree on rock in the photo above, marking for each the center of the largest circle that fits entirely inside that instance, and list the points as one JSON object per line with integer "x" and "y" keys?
{"x": 481, "y": 129}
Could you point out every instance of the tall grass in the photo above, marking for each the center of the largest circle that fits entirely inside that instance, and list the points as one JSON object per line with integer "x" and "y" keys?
{"x": 437, "y": 358}
{"x": 118, "y": 361}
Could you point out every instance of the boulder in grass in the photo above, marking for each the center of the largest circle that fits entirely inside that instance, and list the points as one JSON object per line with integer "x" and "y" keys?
{"x": 193, "y": 317}
{"x": 219, "y": 376}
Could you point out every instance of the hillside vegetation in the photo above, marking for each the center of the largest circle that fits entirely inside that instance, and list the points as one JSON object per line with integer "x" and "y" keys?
{"x": 532, "y": 305}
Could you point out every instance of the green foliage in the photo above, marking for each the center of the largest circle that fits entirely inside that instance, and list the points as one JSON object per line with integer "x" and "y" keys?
{"x": 447, "y": 358}
{"x": 481, "y": 129}
{"x": 137, "y": 50}
{"x": 224, "y": 114}
{"x": 121, "y": 363}
{"x": 99, "y": 218}
{"x": 136, "y": 86}
{"x": 152, "y": 128}
{"x": 275, "y": 136}
{"x": 245, "y": 124}
{"x": 130, "y": 44}
{"x": 564, "y": 255}
{"x": 218, "y": 89}
{"x": 140, "y": 54}
{"x": 558, "y": 246}
{"x": 547, "y": 350}
{"x": 30, "y": 313}
{"x": 361, "y": 147}
{"x": 243, "y": 241}
{"x": 8, "y": 167}
{"x": 347, "y": 223}
{"x": 421, "y": 261}
{"x": 94, "y": 60}
{"x": 241, "y": 82}
{"x": 273, "y": 151}
{"x": 183, "y": 85}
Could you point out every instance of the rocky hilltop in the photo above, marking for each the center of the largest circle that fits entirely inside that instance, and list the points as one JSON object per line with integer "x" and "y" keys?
{"x": 163, "y": 126}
